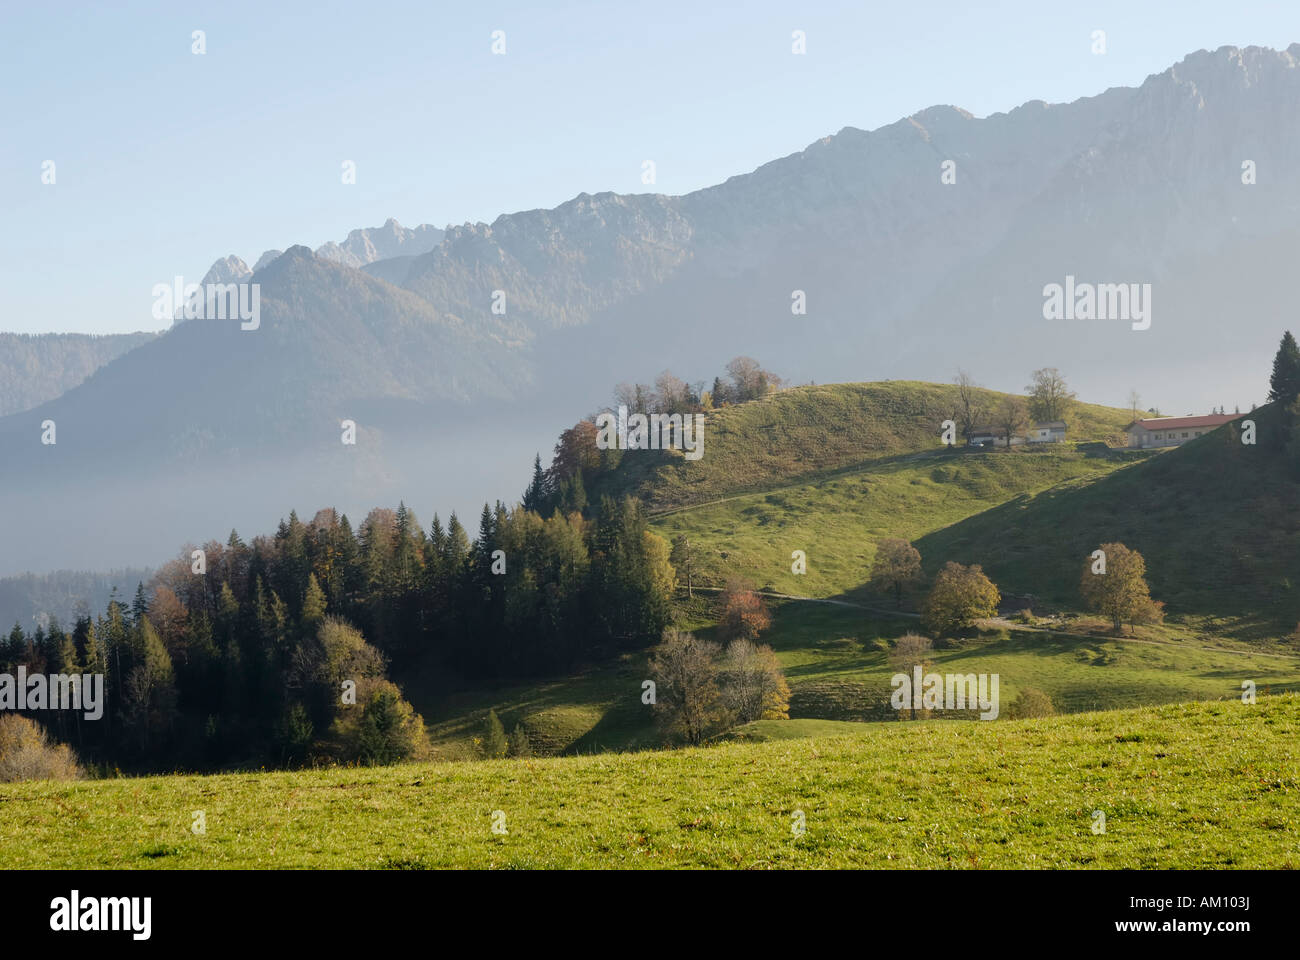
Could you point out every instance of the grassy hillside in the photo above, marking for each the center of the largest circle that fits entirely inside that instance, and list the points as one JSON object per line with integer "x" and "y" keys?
{"x": 834, "y": 657}
{"x": 1195, "y": 785}
{"x": 837, "y": 520}
{"x": 808, "y": 431}
{"x": 1218, "y": 523}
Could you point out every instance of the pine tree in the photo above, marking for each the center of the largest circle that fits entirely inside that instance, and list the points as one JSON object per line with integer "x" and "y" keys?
{"x": 455, "y": 546}
{"x": 573, "y": 499}
{"x": 1285, "y": 381}
{"x": 519, "y": 743}
{"x": 139, "y": 606}
{"x": 313, "y": 605}
{"x": 487, "y": 531}
{"x": 535, "y": 496}
{"x": 494, "y": 737}
{"x": 65, "y": 649}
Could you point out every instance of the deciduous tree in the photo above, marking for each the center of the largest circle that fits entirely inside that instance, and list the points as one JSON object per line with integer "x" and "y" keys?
{"x": 1121, "y": 592}
{"x": 960, "y": 596}
{"x": 897, "y": 564}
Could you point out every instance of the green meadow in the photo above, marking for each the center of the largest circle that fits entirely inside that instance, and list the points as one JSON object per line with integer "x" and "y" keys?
{"x": 1180, "y": 786}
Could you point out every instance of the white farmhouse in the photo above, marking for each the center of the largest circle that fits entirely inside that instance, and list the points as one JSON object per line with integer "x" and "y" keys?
{"x": 1047, "y": 431}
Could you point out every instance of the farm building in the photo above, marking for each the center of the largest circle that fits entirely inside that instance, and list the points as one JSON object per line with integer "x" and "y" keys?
{"x": 1047, "y": 431}
{"x": 1173, "y": 431}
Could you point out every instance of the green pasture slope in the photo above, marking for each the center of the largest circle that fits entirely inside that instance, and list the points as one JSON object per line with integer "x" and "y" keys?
{"x": 811, "y": 432}
{"x": 835, "y": 659}
{"x": 1181, "y": 786}
{"x": 1217, "y": 520}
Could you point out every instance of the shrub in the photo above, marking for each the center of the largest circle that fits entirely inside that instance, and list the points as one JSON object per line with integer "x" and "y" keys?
{"x": 1031, "y": 703}
{"x": 386, "y": 729}
{"x": 27, "y": 753}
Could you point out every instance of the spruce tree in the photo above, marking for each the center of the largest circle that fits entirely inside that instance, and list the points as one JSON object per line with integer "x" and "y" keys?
{"x": 536, "y": 495}
{"x": 494, "y": 737}
{"x": 1285, "y": 381}
{"x": 313, "y": 605}
{"x": 139, "y": 606}
{"x": 519, "y": 743}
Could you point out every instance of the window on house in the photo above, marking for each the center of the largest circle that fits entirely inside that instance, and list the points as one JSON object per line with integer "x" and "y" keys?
{"x": 1184, "y": 434}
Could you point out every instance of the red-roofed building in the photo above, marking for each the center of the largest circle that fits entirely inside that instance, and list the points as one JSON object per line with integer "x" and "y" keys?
{"x": 1173, "y": 431}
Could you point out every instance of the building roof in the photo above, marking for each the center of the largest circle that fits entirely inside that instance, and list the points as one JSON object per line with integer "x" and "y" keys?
{"x": 1183, "y": 423}
{"x": 1050, "y": 425}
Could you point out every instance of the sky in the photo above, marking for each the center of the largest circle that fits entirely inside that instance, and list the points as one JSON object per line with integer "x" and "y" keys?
{"x": 165, "y": 160}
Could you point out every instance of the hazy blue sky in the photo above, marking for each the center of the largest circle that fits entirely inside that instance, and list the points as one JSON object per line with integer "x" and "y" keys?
{"x": 167, "y": 160}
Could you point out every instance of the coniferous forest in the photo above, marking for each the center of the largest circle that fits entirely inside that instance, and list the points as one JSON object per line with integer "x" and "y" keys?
{"x": 284, "y": 650}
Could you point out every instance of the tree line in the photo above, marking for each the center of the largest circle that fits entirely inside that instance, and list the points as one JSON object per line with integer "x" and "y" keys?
{"x": 280, "y": 650}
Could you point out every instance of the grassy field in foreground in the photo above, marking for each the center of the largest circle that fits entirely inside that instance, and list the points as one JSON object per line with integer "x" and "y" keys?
{"x": 1194, "y": 785}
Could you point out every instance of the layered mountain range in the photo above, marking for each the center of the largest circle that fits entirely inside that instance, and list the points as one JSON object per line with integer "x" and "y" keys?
{"x": 919, "y": 247}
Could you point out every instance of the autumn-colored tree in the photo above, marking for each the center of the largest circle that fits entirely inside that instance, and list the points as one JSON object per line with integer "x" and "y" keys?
{"x": 753, "y": 684}
{"x": 960, "y": 596}
{"x": 688, "y": 701}
{"x": 381, "y": 727}
{"x": 744, "y": 614}
{"x": 909, "y": 651}
{"x": 171, "y": 618}
{"x": 897, "y": 563}
{"x": 27, "y": 753}
{"x": 1115, "y": 586}
{"x": 575, "y": 452}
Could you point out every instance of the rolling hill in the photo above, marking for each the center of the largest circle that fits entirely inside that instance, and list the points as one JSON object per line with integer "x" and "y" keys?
{"x": 1217, "y": 521}
{"x": 812, "y": 432}
{"x": 1030, "y": 516}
